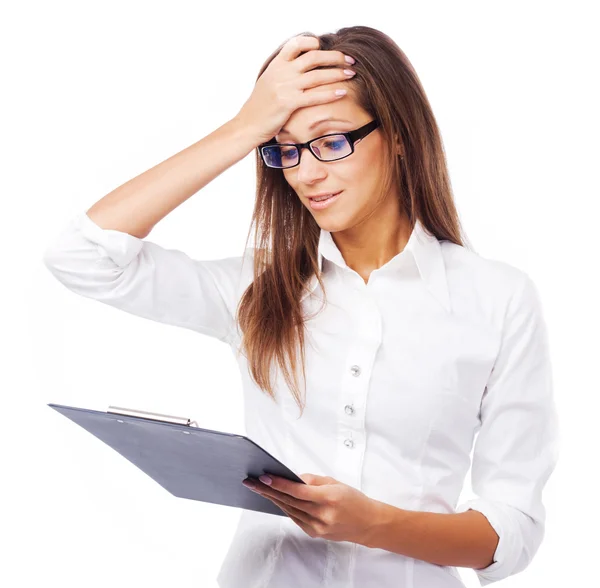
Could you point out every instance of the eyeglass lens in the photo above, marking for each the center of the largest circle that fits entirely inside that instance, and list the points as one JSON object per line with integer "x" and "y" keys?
{"x": 327, "y": 149}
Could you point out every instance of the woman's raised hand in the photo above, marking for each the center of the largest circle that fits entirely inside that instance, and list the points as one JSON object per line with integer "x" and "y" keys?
{"x": 288, "y": 84}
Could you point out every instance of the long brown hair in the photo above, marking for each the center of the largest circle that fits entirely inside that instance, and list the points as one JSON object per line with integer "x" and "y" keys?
{"x": 286, "y": 235}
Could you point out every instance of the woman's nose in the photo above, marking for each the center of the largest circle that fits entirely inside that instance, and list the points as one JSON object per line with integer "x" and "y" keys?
{"x": 310, "y": 167}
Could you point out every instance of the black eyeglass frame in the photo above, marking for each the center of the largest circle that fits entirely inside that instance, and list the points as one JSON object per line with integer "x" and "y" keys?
{"x": 351, "y": 137}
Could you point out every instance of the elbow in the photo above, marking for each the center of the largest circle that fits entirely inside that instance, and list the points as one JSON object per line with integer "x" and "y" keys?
{"x": 519, "y": 538}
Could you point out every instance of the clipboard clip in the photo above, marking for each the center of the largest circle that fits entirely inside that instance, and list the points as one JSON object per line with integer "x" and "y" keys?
{"x": 165, "y": 418}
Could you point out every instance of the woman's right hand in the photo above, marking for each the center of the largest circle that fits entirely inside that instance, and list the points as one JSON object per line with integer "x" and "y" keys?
{"x": 288, "y": 84}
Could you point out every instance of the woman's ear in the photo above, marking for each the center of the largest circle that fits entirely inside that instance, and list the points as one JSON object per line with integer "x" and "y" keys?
{"x": 398, "y": 147}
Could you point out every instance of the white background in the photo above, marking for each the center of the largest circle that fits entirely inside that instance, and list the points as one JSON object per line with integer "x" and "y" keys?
{"x": 96, "y": 93}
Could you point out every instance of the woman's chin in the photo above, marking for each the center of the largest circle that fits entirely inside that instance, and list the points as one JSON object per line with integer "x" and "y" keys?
{"x": 332, "y": 221}
{"x": 331, "y": 225}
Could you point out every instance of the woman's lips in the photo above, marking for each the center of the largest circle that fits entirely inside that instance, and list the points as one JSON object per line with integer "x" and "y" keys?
{"x": 324, "y": 203}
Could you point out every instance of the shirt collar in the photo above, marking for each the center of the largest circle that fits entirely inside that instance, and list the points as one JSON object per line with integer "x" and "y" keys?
{"x": 424, "y": 248}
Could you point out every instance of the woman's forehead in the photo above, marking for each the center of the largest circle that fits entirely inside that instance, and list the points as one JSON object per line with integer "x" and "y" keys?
{"x": 311, "y": 120}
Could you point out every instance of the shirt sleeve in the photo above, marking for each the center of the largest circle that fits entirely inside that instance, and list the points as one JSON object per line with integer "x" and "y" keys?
{"x": 145, "y": 279}
{"x": 517, "y": 447}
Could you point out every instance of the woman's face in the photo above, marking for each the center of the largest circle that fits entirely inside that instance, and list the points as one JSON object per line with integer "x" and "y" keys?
{"x": 358, "y": 175}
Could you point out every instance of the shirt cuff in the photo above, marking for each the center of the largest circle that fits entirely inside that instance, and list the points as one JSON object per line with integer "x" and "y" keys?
{"x": 505, "y": 520}
{"x": 121, "y": 247}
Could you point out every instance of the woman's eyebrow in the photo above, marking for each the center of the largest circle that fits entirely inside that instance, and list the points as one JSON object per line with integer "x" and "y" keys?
{"x": 316, "y": 124}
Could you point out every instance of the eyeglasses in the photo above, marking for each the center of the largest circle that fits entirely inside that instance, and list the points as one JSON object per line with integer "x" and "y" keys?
{"x": 326, "y": 148}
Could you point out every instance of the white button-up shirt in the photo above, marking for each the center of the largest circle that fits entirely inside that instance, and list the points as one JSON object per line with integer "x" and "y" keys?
{"x": 440, "y": 349}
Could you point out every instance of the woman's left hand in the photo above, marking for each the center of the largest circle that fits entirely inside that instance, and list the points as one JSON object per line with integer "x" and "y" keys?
{"x": 324, "y": 507}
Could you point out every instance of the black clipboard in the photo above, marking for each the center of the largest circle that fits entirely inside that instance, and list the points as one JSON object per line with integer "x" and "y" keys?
{"x": 186, "y": 460}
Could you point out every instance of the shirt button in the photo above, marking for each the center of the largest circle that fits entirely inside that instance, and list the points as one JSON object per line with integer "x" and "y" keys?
{"x": 355, "y": 371}
{"x": 349, "y": 409}
{"x": 349, "y": 443}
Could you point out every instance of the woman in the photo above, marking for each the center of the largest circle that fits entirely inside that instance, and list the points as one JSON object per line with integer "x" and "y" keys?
{"x": 359, "y": 286}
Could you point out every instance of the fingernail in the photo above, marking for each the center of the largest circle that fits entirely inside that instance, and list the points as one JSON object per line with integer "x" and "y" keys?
{"x": 265, "y": 480}
{"x": 349, "y": 59}
{"x": 249, "y": 484}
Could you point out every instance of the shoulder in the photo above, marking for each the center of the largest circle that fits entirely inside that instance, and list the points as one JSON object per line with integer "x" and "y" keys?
{"x": 476, "y": 281}
{"x": 459, "y": 259}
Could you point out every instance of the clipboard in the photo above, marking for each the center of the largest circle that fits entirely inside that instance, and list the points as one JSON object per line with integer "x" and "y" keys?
{"x": 186, "y": 460}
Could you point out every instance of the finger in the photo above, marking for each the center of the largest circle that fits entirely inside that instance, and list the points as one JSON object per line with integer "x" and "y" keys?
{"x": 297, "y": 515}
{"x": 302, "y": 492}
{"x": 318, "y": 77}
{"x": 296, "y": 45}
{"x": 306, "y": 506}
{"x": 306, "y": 528}
{"x": 312, "y": 97}
{"x": 316, "y": 58}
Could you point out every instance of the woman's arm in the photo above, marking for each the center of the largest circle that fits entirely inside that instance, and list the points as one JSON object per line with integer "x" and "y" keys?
{"x": 139, "y": 204}
{"x": 464, "y": 540}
